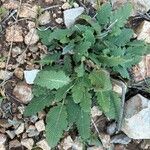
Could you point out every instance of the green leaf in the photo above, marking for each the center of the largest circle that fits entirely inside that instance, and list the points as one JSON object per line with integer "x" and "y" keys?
{"x": 100, "y": 79}
{"x": 56, "y": 123}
{"x": 109, "y": 103}
{"x": 38, "y": 104}
{"x": 67, "y": 64}
{"x": 73, "y": 111}
{"x": 103, "y": 13}
{"x": 89, "y": 36}
{"x": 80, "y": 70}
{"x": 44, "y": 36}
{"x": 111, "y": 61}
{"x": 77, "y": 92}
{"x": 92, "y": 22}
{"x": 62, "y": 92}
{"x": 38, "y": 90}
{"x": 49, "y": 59}
{"x": 83, "y": 124}
{"x": 81, "y": 50}
{"x": 60, "y": 34}
{"x": 122, "y": 71}
{"x": 121, "y": 14}
{"x": 86, "y": 101}
{"x": 80, "y": 93}
{"x": 122, "y": 38}
{"x": 68, "y": 49}
{"x": 136, "y": 50}
{"x": 52, "y": 79}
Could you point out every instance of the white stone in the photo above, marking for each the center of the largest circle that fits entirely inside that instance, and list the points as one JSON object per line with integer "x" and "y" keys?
{"x": 66, "y": 6}
{"x": 33, "y": 118}
{"x": 44, "y": 18}
{"x": 21, "y": 58}
{"x": 141, "y": 5}
{"x": 2, "y": 147}
{"x": 15, "y": 144}
{"x": 31, "y": 25}
{"x": 71, "y": 15}
{"x": 28, "y": 143}
{"x": 32, "y": 37}
{"x": 43, "y": 144}
{"x": 11, "y": 134}
{"x": 32, "y": 131}
{"x": 5, "y": 75}
{"x": 105, "y": 139}
{"x": 136, "y": 123}
{"x": 40, "y": 126}
{"x": 59, "y": 20}
{"x": 120, "y": 139}
{"x": 30, "y": 76}
{"x": 75, "y": 5}
{"x": 118, "y": 87}
{"x": 16, "y": 51}
{"x": 67, "y": 143}
{"x": 77, "y": 145}
{"x": 144, "y": 33}
{"x": 2, "y": 138}
{"x": 20, "y": 129}
{"x": 95, "y": 112}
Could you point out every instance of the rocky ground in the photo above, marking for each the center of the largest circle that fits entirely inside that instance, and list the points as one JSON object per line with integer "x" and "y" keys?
{"x": 20, "y": 51}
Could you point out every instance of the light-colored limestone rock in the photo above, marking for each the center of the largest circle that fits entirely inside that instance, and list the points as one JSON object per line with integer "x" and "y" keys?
{"x": 71, "y": 15}
{"x": 136, "y": 123}
{"x": 32, "y": 37}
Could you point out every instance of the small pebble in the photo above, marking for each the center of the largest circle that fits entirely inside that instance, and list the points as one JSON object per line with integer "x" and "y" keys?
{"x": 3, "y": 138}
{"x": 2, "y": 65}
{"x": 32, "y": 131}
{"x": 31, "y": 25}
{"x": 19, "y": 73}
{"x": 111, "y": 129}
{"x": 32, "y": 37}
{"x": 23, "y": 92}
{"x": 28, "y": 143}
{"x": 33, "y": 118}
{"x": 41, "y": 115}
{"x": 120, "y": 139}
{"x": 11, "y": 134}
{"x": 66, "y": 6}
{"x": 14, "y": 34}
{"x": 15, "y": 144}
{"x": 44, "y": 18}
{"x": 20, "y": 129}
{"x": 16, "y": 51}
{"x": 75, "y": 5}
{"x": 40, "y": 126}
{"x": 43, "y": 144}
{"x": 95, "y": 112}
{"x": 59, "y": 20}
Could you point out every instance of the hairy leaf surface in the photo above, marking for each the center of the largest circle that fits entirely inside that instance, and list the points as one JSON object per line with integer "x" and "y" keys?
{"x": 56, "y": 123}
{"x": 52, "y": 79}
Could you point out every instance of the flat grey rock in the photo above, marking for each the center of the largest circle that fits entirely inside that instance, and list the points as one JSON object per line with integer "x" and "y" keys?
{"x": 71, "y": 15}
{"x": 120, "y": 139}
{"x": 136, "y": 123}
